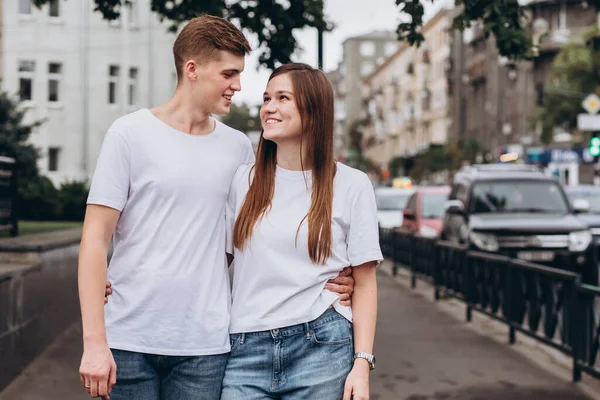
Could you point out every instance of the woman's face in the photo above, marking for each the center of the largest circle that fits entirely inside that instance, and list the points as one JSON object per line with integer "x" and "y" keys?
{"x": 279, "y": 114}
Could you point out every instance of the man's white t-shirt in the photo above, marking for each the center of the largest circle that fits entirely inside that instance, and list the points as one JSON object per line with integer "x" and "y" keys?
{"x": 169, "y": 272}
{"x": 275, "y": 282}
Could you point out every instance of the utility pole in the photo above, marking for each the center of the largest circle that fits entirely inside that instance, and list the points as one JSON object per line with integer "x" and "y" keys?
{"x": 320, "y": 47}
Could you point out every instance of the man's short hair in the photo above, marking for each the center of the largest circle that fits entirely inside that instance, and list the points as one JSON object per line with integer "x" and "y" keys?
{"x": 202, "y": 39}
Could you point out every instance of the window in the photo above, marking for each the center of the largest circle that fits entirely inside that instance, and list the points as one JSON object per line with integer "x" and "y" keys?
{"x": 26, "y": 73}
{"x": 133, "y": 78}
{"x": 113, "y": 83}
{"x": 366, "y": 68}
{"x": 367, "y": 49}
{"x": 25, "y": 7}
{"x": 54, "y": 10}
{"x": 54, "y": 78}
{"x": 53, "y": 153}
{"x": 133, "y": 17}
{"x": 560, "y": 19}
{"x": 390, "y": 48}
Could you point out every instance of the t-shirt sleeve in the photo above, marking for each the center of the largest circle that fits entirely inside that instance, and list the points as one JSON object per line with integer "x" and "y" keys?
{"x": 110, "y": 183}
{"x": 248, "y": 152}
{"x": 230, "y": 210}
{"x": 363, "y": 236}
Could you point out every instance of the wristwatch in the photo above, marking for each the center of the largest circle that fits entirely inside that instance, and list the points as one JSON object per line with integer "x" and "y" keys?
{"x": 369, "y": 357}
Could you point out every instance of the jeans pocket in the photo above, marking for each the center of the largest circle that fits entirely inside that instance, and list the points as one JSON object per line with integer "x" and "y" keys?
{"x": 234, "y": 340}
{"x": 334, "y": 332}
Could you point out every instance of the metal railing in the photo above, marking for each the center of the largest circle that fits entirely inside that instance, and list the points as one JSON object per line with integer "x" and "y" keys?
{"x": 550, "y": 305}
{"x": 8, "y": 196}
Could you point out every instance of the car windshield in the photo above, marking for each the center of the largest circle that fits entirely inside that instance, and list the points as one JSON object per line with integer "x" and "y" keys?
{"x": 433, "y": 205}
{"x": 591, "y": 197}
{"x": 392, "y": 201}
{"x": 519, "y": 196}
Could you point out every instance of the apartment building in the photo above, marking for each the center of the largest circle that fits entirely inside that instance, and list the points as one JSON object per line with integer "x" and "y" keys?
{"x": 77, "y": 73}
{"x": 408, "y": 96}
{"x": 495, "y": 99}
{"x": 362, "y": 55}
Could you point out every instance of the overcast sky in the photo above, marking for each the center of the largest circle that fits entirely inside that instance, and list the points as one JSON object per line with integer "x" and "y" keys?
{"x": 351, "y": 17}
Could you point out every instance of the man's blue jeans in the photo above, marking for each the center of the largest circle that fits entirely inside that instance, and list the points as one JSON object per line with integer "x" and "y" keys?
{"x": 152, "y": 377}
{"x": 301, "y": 362}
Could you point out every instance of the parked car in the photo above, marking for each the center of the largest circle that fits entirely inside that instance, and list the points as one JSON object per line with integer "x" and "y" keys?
{"x": 390, "y": 203}
{"x": 518, "y": 211}
{"x": 424, "y": 211}
{"x": 587, "y": 197}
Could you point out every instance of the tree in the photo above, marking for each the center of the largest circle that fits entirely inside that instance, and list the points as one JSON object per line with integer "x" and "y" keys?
{"x": 240, "y": 118}
{"x": 576, "y": 74}
{"x": 505, "y": 19}
{"x": 14, "y": 136}
{"x": 272, "y": 21}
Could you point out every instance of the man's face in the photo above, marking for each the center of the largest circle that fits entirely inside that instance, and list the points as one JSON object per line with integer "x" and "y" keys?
{"x": 217, "y": 81}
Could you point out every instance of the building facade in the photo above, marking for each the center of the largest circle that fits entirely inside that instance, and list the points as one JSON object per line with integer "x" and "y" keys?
{"x": 495, "y": 100}
{"x": 408, "y": 96}
{"x": 77, "y": 73}
{"x": 361, "y": 56}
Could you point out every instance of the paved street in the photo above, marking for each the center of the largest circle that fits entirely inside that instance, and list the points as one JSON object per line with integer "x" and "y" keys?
{"x": 422, "y": 354}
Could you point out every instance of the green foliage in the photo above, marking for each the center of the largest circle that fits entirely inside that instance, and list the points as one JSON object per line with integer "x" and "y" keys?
{"x": 273, "y": 22}
{"x": 38, "y": 199}
{"x": 505, "y": 19}
{"x": 41, "y": 201}
{"x": 241, "y": 119}
{"x": 575, "y": 74}
{"x": 14, "y": 134}
{"x": 72, "y": 198}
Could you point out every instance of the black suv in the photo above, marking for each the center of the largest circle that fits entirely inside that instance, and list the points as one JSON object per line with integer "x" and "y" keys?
{"x": 518, "y": 211}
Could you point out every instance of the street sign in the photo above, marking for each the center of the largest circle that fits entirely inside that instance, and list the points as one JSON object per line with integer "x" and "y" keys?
{"x": 588, "y": 122}
{"x": 591, "y": 103}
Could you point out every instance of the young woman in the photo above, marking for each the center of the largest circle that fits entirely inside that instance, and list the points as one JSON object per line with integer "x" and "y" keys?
{"x": 295, "y": 219}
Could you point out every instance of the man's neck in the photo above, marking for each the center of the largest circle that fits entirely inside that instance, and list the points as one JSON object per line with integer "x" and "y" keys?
{"x": 181, "y": 114}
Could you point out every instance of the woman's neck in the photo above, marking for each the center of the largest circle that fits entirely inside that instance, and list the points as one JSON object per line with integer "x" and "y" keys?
{"x": 289, "y": 157}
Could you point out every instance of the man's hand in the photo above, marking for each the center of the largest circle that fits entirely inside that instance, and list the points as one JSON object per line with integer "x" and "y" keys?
{"x": 107, "y": 291}
{"x": 343, "y": 286}
{"x": 98, "y": 370}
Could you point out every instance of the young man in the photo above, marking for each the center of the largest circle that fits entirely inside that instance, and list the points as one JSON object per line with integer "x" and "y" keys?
{"x": 160, "y": 187}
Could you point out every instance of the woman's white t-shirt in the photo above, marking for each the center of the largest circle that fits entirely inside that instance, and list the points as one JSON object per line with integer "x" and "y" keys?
{"x": 275, "y": 282}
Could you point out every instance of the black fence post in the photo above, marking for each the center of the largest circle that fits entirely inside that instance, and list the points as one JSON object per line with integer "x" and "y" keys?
{"x": 413, "y": 261}
{"x": 395, "y": 251}
{"x": 577, "y": 325}
{"x": 509, "y": 296}
{"x": 14, "y": 213}
{"x": 469, "y": 279}
{"x": 439, "y": 254}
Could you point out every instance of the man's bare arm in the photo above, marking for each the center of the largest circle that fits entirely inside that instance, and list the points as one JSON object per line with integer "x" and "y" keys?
{"x": 98, "y": 370}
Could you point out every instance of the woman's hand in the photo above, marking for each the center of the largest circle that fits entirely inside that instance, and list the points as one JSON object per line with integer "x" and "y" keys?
{"x": 343, "y": 286}
{"x": 107, "y": 291}
{"x": 357, "y": 382}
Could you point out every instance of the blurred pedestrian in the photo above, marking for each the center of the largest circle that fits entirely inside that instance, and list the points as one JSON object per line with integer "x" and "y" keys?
{"x": 160, "y": 187}
{"x": 295, "y": 219}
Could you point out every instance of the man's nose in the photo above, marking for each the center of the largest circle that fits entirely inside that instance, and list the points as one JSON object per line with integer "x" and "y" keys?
{"x": 237, "y": 84}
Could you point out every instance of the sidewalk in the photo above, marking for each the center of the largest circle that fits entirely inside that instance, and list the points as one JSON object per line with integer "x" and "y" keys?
{"x": 422, "y": 354}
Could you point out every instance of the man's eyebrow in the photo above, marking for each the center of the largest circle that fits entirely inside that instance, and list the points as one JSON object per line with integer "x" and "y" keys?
{"x": 237, "y": 71}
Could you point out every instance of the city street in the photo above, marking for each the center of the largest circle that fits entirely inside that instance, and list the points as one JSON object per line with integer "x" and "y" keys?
{"x": 422, "y": 354}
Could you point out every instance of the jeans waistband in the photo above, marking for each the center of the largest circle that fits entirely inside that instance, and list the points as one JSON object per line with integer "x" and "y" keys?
{"x": 329, "y": 315}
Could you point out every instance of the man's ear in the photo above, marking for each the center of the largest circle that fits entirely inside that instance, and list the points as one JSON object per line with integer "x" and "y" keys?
{"x": 190, "y": 69}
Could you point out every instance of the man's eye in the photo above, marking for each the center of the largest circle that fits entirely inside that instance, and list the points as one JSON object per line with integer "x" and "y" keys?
{"x": 228, "y": 75}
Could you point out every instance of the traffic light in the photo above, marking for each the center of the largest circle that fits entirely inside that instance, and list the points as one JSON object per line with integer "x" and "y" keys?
{"x": 595, "y": 146}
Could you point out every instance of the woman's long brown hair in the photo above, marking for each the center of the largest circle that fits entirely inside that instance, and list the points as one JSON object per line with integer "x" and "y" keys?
{"x": 313, "y": 95}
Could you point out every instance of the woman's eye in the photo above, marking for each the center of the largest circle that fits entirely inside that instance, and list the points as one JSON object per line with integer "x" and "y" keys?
{"x": 266, "y": 100}
{"x": 283, "y": 98}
